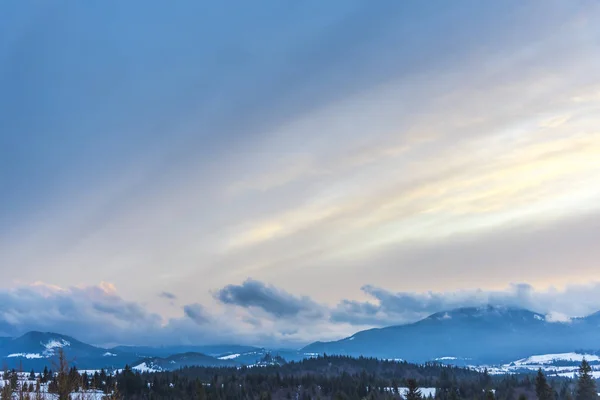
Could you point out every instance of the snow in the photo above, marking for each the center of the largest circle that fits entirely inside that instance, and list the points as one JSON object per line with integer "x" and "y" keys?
{"x": 312, "y": 355}
{"x": 143, "y": 367}
{"x": 91, "y": 394}
{"x": 547, "y": 363}
{"x": 595, "y": 374}
{"x": 539, "y": 317}
{"x": 229, "y": 357}
{"x": 52, "y": 344}
{"x": 550, "y": 358}
{"x": 446, "y": 358}
{"x": 109, "y": 354}
{"x": 558, "y": 317}
{"x": 425, "y": 391}
{"x": 25, "y": 355}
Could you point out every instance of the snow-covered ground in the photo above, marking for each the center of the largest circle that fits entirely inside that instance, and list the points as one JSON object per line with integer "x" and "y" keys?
{"x": 561, "y": 364}
{"x": 229, "y": 357}
{"x": 80, "y": 395}
{"x": 552, "y": 358}
{"x": 144, "y": 367}
{"x": 25, "y": 355}
{"x": 425, "y": 391}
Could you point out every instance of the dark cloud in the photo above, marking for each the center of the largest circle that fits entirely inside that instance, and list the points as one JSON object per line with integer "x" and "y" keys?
{"x": 196, "y": 313}
{"x": 257, "y": 313}
{"x": 95, "y": 314}
{"x": 274, "y": 301}
{"x": 404, "y": 307}
{"x": 167, "y": 295}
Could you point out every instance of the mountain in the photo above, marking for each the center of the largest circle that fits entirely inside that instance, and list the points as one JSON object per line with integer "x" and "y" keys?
{"x": 488, "y": 334}
{"x": 190, "y": 359}
{"x": 177, "y": 361}
{"x": 36, "y": 350}
{"x": 165, "y": 351}
{"x": 466, "y": 336}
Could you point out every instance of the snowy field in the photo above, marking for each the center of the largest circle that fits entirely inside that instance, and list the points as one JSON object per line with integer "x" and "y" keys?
{"x": 561, "y": 364}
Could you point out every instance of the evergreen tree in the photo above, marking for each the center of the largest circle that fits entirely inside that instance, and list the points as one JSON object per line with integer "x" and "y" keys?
{"x": 14, "y": 380}
{"x": 413, "y": 393}
{"x": 542, "y": 388}
{"x": 586, "y": 387}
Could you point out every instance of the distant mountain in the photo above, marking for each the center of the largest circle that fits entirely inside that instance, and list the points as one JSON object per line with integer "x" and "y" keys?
{"x": 480, "y": 335}
{"x": 177, "y": 361}
{"x": 466, "y": 336}
{"x": 39, "y": 349}
{"x": 165, "y": 351}
{"x": 36, "y": 350}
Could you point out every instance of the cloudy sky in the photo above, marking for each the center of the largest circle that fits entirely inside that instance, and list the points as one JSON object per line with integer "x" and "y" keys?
{"x": 280, "y": 172}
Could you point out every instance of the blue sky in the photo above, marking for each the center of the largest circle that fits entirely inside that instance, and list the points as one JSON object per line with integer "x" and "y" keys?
{"x": 173, "y": 172}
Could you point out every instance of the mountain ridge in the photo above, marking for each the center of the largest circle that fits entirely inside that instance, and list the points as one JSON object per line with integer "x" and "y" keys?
{"x": 486, "y": 334}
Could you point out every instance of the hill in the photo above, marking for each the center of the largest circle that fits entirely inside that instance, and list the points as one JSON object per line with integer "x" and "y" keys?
{"x": 481, "y": 335}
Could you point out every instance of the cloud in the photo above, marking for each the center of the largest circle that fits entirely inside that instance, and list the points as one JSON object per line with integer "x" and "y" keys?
{"x": 403, "y": 307}
{"x": 290, "y": 144}
{"x": 99, "y": 315}
{"x": 255, "y": 294}
{"x": 255, "y": 313}
{"x": 167, "y": 295}
{"x": 93, "y": 313}
{"x": 196, "y": 313}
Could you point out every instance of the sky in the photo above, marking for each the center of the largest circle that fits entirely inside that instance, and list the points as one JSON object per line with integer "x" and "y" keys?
{"x": 276, "y": 173}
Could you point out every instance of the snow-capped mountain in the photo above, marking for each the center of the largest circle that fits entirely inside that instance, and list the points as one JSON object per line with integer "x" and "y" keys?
{"x": 499, "y": 337}
{"x": 483, "y": 335}
{"x": 38, "y": 349}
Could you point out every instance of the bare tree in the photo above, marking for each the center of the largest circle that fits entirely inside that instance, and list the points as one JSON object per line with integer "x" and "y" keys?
{"x": 64, "y": 384}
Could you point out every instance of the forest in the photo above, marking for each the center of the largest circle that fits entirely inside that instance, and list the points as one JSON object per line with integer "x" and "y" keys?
{"x": 324, "y": 377}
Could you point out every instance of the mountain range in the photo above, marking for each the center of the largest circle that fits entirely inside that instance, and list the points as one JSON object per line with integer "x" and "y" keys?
{"x": 36, "y": 350}
{"x": 466, "y": 336}
{"x": 480, "y": 335}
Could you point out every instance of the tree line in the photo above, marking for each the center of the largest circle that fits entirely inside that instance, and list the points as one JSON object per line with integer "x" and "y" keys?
{"x": 324, "y": 377}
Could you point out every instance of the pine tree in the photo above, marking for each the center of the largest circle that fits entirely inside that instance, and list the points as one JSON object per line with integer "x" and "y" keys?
{"x": 413, "y": 393}
{"x": 586, "y": 387}
{"x": 542, "y": 388}
{"x": 14, "y": 380}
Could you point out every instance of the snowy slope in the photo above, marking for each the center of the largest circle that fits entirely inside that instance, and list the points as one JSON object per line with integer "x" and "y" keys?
{"x": 561, "y": 364}
{"x": 483, "y": 335}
